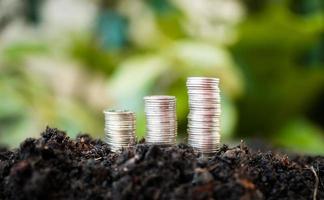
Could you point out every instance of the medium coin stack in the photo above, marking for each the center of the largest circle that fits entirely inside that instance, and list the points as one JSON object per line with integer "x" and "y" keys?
{"x": 161, "y": 119}
{"x": 204, "y": 115}
{"x": 120, "y": 126}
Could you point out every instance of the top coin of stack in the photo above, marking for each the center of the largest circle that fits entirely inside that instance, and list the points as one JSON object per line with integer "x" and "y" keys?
{"x": 204, "y": 116}
{"x": 120, "y": 126}
{"x": 161, "y": 120}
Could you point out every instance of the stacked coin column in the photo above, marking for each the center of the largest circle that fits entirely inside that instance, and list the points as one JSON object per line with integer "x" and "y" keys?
{"x": 161, "y": 120}
{"x": 204, "y": 116}
{"x": 120, "y": 129}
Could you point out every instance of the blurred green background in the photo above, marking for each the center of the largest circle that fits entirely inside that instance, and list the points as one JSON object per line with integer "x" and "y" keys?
{"x": 63, "y": 61}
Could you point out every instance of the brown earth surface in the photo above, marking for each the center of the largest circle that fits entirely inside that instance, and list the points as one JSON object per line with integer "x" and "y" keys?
{"x": 57, "y": 167}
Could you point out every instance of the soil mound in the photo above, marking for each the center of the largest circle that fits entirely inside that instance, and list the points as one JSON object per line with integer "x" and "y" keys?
{"x": 57, "y": 167}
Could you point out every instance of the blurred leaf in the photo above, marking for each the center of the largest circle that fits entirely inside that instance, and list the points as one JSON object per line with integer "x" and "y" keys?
{"x": 133, "y": 80}
{"x": 278, "y": 85}
{"x": 301, "y": 136}
{"x": 15, "y": 134}
{"x": 76, "y": 117}
{"x": 93, "y": 57}
{"x": 11, "y": 104}
{"x": 17, "y": 51}
{"x": 228, "y": 118}
{"x": 111, "y": 30}
{"x": 193, "y": 58}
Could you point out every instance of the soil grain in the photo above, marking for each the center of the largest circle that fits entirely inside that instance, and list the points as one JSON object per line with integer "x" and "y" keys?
{"x": 57, "y": 167}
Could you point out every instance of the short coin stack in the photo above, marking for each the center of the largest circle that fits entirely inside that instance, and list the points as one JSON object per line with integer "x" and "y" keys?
{"x": 120, "y": 126}
{"x": 161, "y": 119}
{"x": 204, "y": 116}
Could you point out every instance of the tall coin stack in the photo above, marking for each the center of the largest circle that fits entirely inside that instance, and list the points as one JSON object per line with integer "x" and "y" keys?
{"x": 161, "y": 119}
{"x": 120, "y": 126}
{"x": 204, "y": 116}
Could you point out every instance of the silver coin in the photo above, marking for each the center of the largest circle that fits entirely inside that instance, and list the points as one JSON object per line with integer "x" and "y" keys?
{"x": 161, "y": 119}
{"x": 202, "y": 80}
{"x": 204, "y": 116}
{"x": 120, "y": 127}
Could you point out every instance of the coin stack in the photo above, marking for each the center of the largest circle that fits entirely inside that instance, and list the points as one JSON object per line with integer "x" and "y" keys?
{"x": 120, "y": 126}
{"x": 161, "y": 119}
{"x": 204, "y": 116}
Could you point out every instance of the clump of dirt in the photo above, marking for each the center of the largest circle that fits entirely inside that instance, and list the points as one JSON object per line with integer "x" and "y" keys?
{"x": 57, "y": 167}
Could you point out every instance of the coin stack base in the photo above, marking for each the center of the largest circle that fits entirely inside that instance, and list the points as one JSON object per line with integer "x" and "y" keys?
{"x": 161, "y": 120}
{"x": 119, "y": 129}
{"x": 204, "y": 116}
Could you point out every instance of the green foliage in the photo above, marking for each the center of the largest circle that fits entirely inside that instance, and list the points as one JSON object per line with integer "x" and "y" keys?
{"x": 280, "y": 84}
{"x": 90, "y": 54}
{"x": 16, "y": 52}
{"x": 301, "y": 136}
{"x": 270, "y": 75}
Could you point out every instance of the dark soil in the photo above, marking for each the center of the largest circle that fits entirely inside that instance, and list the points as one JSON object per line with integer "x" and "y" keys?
{"x": 56, "y": 167}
